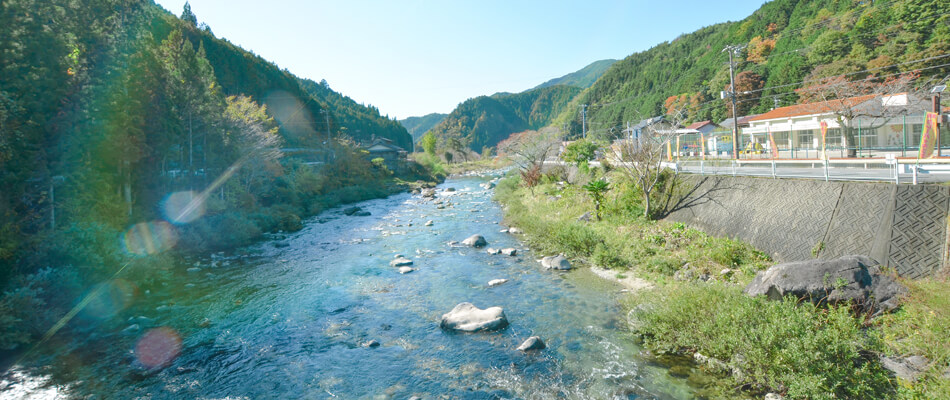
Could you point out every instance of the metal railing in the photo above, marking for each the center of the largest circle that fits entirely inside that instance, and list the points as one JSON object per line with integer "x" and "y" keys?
{"x": 888, "y": 169}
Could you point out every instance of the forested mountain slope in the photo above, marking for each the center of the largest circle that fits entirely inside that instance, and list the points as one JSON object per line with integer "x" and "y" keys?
{"x": 109, "y": 109}
{"x": 787, "y": 44}
{"x": 486, "y": 120}
{"x": 418, "y": 126}
{"x": 583, "y": 78}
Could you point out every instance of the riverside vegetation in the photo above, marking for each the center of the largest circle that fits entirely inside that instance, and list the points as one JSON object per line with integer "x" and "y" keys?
{"x": 697, "y": 308}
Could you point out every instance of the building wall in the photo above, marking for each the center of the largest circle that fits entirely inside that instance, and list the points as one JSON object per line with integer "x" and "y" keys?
{"x": 902, "y": 226}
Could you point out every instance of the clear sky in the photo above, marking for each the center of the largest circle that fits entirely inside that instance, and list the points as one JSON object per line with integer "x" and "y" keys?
{"x": 414, "y": 57}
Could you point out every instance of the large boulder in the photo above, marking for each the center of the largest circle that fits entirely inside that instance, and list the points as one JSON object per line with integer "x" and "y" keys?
{"x": 468, "y": 318}
{"x": 850, "y": 278}
{"x": 556, "y": 262}
{"x": 475, "y": 241}
{"x": 430, "y": 193}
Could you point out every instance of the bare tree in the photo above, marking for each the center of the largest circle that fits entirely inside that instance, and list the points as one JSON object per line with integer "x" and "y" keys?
{"x": 529, "y": 149}
{"x": 871, "y": 100}
{"x": 640, "y": 154}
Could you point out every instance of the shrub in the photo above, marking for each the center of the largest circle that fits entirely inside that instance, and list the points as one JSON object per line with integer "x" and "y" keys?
{"x": 799, "y": 349}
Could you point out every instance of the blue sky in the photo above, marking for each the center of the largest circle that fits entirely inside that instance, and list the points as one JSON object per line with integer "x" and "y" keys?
{"x": 414, "y": 57}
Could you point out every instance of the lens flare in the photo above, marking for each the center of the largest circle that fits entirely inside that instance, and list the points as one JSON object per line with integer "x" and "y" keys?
{"x": 147, "y": 238}
{"x": 158, "y": 347}
{"x": 184, "y": 207}
{"x": 107, "y": 299}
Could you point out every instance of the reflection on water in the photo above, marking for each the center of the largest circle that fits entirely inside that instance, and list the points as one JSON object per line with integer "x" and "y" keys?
{"x": 290, "y": 318}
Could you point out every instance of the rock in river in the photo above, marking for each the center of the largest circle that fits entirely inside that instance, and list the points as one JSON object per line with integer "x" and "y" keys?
{"x": 429, "y": 223}
{"x": 533, "y": 343}
{"x": 492, "y": 250}
{"x": 468, "y": 318}
{"x": 475, "y": 241}
{"x": 400, "y": 262}
{"x": 556, "y": 262}
{"x": 509, "y": 251}
{"x": 406, "y": 270}
{"x": 351, "y": 210}
{"x": 496, "y": 282}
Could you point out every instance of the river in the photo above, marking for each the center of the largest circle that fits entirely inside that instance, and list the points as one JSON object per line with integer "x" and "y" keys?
{"x": 289, "y": 317}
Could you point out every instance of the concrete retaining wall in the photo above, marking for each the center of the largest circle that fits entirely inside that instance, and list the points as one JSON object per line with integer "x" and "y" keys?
{"x": 904, "y": 227}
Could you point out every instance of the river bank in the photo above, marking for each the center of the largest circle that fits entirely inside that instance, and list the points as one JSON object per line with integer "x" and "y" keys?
{"x": 696, "y": 305}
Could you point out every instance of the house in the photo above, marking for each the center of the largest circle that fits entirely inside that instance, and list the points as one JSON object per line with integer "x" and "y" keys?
{"x": 881, "y": 124}
{"x": 385, "y": 149}
{"x": 702, "y": 126}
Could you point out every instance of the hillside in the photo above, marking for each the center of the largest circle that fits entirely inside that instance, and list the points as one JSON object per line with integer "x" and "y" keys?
{"x": 110, "y": 106}
{"x": 418, "y": 126}
{"x": 486, "y": 120}
{"x": 583, "y": 78}
{"x": 788, "y": 42}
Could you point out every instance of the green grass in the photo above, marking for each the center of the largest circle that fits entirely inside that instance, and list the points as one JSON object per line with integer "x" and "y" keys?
{"x": 623, "y": 239}
{"x": 798, "y": 349}
{"x": 922, "y": 327}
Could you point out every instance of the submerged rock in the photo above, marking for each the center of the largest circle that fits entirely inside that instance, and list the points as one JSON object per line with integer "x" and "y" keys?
{"x": 351, "y": 210}
{"x": 849, "y": 278}
{"x": 400, "y": 262}
{"x": 475, "y": 241}
{"x": 533, "y": 343}
{"x": 362, "y": 214}
{"x": 557, "y": 262}
{"x": 450, "y": 189}
{"x": 371, "y": 344}
{"x": 496, "y": 282}
{"x": 468, "y": 318}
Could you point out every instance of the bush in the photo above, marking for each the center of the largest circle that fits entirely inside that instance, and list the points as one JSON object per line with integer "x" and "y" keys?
{"x": 781, "y": 346}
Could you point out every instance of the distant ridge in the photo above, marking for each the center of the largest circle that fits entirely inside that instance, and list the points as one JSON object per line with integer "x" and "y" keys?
{"x": 583, "y": 78}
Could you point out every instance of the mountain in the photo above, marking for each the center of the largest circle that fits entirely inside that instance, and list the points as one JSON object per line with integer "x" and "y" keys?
{"x": 583, "y": 78}
{"x": 418, "y": 126}
{"x": 788, "y": 44}
{"x": 486, "y": 120}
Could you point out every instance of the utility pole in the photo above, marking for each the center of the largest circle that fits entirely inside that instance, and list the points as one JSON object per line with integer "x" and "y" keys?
{"x": 733, "y": 50}
{"x": 584, "y": 120}
{"x": 326, "y": 144}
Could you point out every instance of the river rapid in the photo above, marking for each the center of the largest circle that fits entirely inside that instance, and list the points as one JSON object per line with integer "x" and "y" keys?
{"x": 289, "y": 317}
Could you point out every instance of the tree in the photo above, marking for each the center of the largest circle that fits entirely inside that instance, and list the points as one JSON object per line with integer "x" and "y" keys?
{"x": 596, "y": 190}
{"x": 580, "y": 152}
{"x": 748, "y": 84}
{"x": 849, "y": 101}
{"x": 253, "y": 140}
{"x": 528, "y": 150}
{"x": 640, "y": 156}
{"x": 188, "y": 16}
{"x": 428, "y": 142}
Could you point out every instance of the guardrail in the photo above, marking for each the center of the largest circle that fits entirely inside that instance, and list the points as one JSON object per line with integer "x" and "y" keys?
{"x": 889, "y": 169}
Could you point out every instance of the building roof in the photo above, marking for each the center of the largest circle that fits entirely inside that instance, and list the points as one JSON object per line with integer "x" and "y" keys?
{"x": 744, "y": 120}
{"x": 698, "y": 125}
{"x": 383, "y": 145}
{"x": 822, "y": 107}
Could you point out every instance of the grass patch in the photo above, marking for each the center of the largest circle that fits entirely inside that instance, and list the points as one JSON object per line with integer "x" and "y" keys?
{"x": 798, "y": 349}
{"x": 623, "y": 239}
{"x": 922, "y": 327}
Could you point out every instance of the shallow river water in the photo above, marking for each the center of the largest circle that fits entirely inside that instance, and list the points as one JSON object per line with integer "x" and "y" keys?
{"x": 287, "y": 318}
